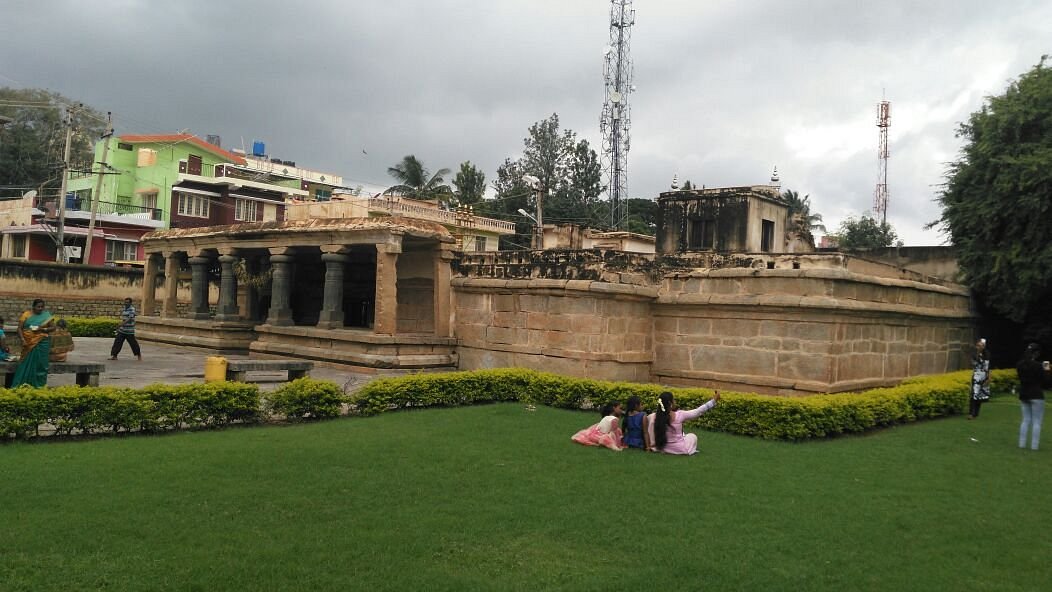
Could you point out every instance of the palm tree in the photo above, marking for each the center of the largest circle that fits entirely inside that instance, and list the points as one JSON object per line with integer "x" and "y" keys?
{"x": 799, "y": 213}
{"x": 414, "y": 180}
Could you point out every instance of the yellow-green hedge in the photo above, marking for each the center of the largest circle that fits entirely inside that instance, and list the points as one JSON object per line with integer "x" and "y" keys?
{"x": 764, "y": 416}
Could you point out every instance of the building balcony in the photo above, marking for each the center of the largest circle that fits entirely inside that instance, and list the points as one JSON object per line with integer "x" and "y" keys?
{"x": 233, "y": 178}
{"x": 110, "y": 212}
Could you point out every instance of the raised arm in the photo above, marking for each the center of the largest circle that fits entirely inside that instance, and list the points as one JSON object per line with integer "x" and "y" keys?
{"x": 695, "y": 413}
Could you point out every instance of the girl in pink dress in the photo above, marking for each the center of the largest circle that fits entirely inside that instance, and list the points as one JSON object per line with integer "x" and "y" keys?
{"x": 605, "y": 433}
{"x": 665, "y": 426}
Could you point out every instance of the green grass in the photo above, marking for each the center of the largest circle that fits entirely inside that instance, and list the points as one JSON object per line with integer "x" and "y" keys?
{"x": 497, "y": 498}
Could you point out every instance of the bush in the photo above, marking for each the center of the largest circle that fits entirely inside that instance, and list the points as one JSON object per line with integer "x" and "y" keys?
{"x": 306, "y": 398}
{"x": 91, "y": 327}
{"x": 764, "y": 416}
{"x": 91, "y": 410}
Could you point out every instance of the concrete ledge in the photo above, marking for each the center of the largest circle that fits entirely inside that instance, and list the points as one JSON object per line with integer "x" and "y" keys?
{"x": 623, "y": 357}
{"x": 357, "y": 336}
{"x": 358, "y": 358}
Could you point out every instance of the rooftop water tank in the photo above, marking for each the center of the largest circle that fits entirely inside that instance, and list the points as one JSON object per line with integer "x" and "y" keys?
{"x": 258, "y": 149}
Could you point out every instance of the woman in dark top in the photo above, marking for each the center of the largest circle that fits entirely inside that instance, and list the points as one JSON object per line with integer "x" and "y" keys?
{"x": 1033, "y": 376}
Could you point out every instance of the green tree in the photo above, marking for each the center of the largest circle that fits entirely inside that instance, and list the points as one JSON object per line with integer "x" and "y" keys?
{"x": 997, "y": 202}
{"x": 32, "y": 142}
{"x": 470, "y": 184}
{"x": 415, "y": 181}
{"x": 864, "y": 233}
{"x": 687, "y": 186}
{"x": 642, "y": 216}
{"x": 799, "y": 216}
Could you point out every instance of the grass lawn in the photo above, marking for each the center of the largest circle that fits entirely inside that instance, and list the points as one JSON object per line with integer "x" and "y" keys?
{"x": 497, "y": 498}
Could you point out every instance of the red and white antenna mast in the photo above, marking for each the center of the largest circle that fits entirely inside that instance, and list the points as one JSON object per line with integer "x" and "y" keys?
{"x": 880, "y": 196}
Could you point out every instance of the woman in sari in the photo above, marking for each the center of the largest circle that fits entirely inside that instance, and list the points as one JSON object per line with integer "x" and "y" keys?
{"x": 35, "y": 328}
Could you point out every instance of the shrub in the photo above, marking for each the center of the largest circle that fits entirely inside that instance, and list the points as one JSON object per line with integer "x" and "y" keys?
{"x": 90, "y": 410}
{"x": 306, "y": 398}
{"x": 91, "y": 327}
{"x": 764, "y": 416}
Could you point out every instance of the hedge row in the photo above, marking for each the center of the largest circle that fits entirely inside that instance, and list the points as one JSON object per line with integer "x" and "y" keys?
{"x": 91, "y": 326}
{"x": 764, "y": 416}
{"x": 159, "y": 407}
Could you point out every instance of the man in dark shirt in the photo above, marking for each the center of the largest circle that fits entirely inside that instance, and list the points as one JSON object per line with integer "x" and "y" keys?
{"x": 126, "y": 332}
{"x": 1034, "y": 375}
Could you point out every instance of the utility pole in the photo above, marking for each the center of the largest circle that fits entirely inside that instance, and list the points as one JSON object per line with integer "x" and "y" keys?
{"x": 98, "y": 188}
{"x": 60, "y": 240}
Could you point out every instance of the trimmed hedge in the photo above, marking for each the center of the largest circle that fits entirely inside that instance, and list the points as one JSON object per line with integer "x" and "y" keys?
{"x": 158, "y": 407}
{"x": 92, "y": 326}
{"x": 305, "y": 398}
{"x": 764, "y": 416}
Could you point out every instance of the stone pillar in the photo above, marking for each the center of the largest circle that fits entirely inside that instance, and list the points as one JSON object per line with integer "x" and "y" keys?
{"x": 199, "y": 288}
{"x": 331, "y": 316}
{"x": 385, "y": 321}
{"x": 149, "y": 285}
{"x": 169, "y": 307}
{"x": 227, "y": 310}
{"x": 442, "y": 290}
{"x": 280, "y": 312}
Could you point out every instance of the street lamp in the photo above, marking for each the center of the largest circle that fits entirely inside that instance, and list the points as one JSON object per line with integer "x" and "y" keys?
{"x": 535, "y": 184}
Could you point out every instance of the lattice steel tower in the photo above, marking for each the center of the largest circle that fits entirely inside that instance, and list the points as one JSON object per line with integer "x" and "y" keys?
{"x": 617, "y": 113}
{"x": 880, "y": 196}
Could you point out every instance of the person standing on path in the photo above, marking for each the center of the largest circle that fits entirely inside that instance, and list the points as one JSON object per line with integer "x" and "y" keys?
{"x": 126, "y": 332}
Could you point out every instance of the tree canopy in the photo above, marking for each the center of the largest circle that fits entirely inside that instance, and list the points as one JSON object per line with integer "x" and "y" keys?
{"x": 32, "y": 143}
{"x": 997, "y": 201}
{"x": 799, "y": 215}
{"x": 864, "y": 233}
{"x": 570, "y": 176}
{"x": 415, "y": 181}
{"x": 470, "y": 184}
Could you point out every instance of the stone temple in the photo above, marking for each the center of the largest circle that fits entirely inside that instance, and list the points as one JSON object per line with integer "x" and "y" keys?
{"x": 732, "y": 299}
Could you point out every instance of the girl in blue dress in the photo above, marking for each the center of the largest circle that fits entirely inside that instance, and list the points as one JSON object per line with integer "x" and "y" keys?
{"x": 634, "y": 428}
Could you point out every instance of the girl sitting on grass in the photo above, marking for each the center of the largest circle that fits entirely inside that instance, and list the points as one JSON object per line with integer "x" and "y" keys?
{"x": 605, "y": 433}
{"x": 635, "y": 432}
{"x": 666, "y": 425}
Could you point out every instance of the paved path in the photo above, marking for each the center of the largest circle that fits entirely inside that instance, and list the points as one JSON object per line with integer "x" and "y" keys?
{"x": 173, "y": 364}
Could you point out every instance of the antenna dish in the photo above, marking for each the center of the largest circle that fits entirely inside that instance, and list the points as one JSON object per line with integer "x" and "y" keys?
{"x": 607, "y": 50}
{"x": 615, "y": 97}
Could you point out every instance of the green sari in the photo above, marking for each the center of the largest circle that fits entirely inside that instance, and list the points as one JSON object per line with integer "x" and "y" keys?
{"x": 36, "y": 350}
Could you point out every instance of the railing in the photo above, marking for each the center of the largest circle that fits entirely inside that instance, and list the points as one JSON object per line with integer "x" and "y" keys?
{"x": 104, "y": 207}
{"x": 400, "y": 208}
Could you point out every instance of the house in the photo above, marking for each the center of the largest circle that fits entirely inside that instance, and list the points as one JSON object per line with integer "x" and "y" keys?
{"x": 171, "y": 181}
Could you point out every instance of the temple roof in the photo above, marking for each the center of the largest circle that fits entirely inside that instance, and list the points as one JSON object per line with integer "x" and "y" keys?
{"x": 395, "y": 224}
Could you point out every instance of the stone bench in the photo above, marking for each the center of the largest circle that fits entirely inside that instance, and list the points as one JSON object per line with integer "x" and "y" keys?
{"x": 87, "y": 374}
{"x": 236, "y": 369}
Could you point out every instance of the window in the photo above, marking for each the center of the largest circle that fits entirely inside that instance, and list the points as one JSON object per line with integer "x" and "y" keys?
{"x": 245, "y": 210}
{"x": 480, "y": 243}
{"x": 193, "y": 205}
{"x": 323, "y": 194}
{"x": 702, "y": 234}
{"x": 120, "y": 251}
{"x": 18, "y": 245}
{"x": 766, "y": 235}
{"x": 123, "y": 146}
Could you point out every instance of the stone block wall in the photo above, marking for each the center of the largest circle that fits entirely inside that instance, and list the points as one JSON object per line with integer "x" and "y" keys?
{"x": 416, "y": 305}
{"x": 577, "y": 328}
{"x": 805, "y": 330}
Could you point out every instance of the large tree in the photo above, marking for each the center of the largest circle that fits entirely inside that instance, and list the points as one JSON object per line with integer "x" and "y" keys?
{"x": 799, "y": 216}
{"x": 864, "y": 233}
{"x": 570, "y": 177}
{"x": 997, "y": 202}
{"x": 470, "y": 184}
{"x": 414, "y": 180}
{"x": 32, "y": 142}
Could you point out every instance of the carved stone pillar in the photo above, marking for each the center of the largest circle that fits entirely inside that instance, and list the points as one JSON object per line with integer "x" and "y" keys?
{"x": 149, "y": 285}
{"x": 385, "y": 321}
{"x": 331, "y": 316}
{"x": 442, "y": 289}
{"x": 169, "y": 308}
{"x": 227, "y": 310}
{"x": 280, "y": 312}
{"x": 199, "y": 288}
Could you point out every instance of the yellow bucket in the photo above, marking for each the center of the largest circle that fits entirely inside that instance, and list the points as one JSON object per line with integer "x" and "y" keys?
{"x": 215, "y": 368}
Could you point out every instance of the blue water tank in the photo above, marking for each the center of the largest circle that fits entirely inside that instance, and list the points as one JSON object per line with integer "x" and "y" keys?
{"x": 258, "y": 149}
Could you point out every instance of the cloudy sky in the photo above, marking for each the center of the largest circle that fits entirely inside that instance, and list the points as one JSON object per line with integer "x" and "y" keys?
{"x": 725, "y": 89}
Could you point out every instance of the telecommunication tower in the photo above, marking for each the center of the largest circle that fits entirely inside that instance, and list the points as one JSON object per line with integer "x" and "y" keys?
{"x": 617, "y": 113}
{"x": 880, "y": 196}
